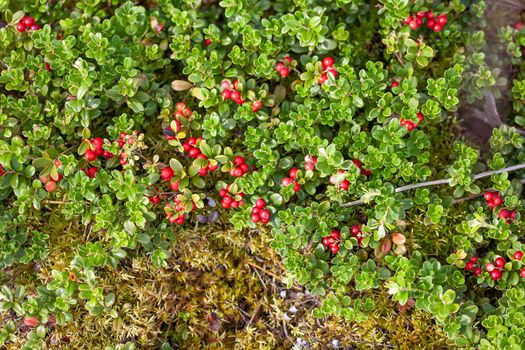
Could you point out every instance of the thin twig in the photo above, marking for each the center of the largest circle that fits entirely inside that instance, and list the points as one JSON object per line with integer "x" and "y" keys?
{"x": 442, "y": 182}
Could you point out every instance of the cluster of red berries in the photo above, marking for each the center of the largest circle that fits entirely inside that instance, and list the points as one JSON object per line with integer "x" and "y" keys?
{"x": 471, "y": 265}
{"x": 282, "y": 67}
{"x": 96, "y": 149}
{"x": 176, "y": 215}
{"x": 292, "y": 179}
{"x": 231, "y": 91}
{"x": 433, "y": 22}
{"x": 332, "y": 241}
{"x": 343, "y": 185}
{"x": 90, "y": 172}
{"x": 154, "y": 199}
{"x": 310, "y": 162}
{"x": 241, "y": 168}
{"x": 494, "y": 200}
{"x": 357, "y": 233}
{"x": 259, "y": 212}
{"x": 190, "y": 147}
{"x": 182, "y": 111}
{"x": 27, "y": 24}
{"x": 359, "y": 165}
{"x": 228, "y": 201}
{"x": 494, "y": 269}
{"x": 50, "y": 183}
{"x": 328, "y": 67}
{"x": 410, "y": 125}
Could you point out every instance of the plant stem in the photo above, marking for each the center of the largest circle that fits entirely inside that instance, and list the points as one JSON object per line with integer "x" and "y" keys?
{"x": 443, "y": 181}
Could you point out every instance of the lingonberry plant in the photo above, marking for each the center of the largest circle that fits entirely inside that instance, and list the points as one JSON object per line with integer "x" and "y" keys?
{"x": 329, "y": 123}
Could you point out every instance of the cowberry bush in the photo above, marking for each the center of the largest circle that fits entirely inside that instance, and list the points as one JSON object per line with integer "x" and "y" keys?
{"x": 330, "y": 123}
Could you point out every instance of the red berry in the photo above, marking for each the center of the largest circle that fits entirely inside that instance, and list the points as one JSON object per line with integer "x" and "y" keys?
{"x": 223, "y": 192}
{"x": 20, "y": 27}
{"x": 420, "y": 116}
{"x": 489, "y": 267}
{"x": 488, "y": 196}
{"x": 328, "y": 62}
{"x": 497, "y": 201}
{"x": 518, "y": 255}
{"x": 413, "y": 25}
{"x": 421, "y": 14}
{"x": 284, "y": 72}
{"x": 256, "y": 106}
{"x": 442, "y": 19}
{"x": 203, "y": 171}
{"x": 288, "y": 59}
{"x": 27, "y": 21}
{"x": 328, "y": 241}
{"x": 296, "y": 187}
{"x": 522, "y": 272}
{"x": 499, "y": 262}
{"x": 51, "y": 186}
{"x": 344, "y": 184}
{"x": 260, "y": 203}
{"x": 394, "y": 83}
{"x": 518, "y": 25}
{"x": 431, "y": 23}
{"x": 166, "y": 173}
{"x": 503, "y": 213}
{"x": 212, "y": 167}
{"x": 226, "y": 94}
{"x": 235, "y": 96}
{"x": 334, "y": 248}
{"x": 227, "y": 199}
{"x": 207, "y": 42}
{"x": 256, "y": 217}
{"x": 237, "y": 172}
{"x": 225, "y": 85}
{"x": 244, "y": 168}
{"x": 192, "y": 141}
{"x": 478, "y": 271}
{"x": 92, "y": 172}
{"x": 408, "y": 20}
{"x": 474, "y": 259}
{"x": 309, "y": 166}
{"x": 335, "y": 234}
{"x": 496, "y": 275}
{"x": 286, "y": 181}
{"x": 430, "y": 15}
{"x": 323, "y": 78}
{"x": 265, "y": 215}
{"x": 469, "y": 266}
{"x": 355, "y": 230}
{"x": 194, "y": 152}
{"x": 238, "y": 160}
{"x": 97, "y": 142}
{"x": 279, "y": 66}
{"x": 437, "y": 28}
{"x": 34, "y": 27}
{"x": 293, "y": 173}
{"x": 90, "y": 155}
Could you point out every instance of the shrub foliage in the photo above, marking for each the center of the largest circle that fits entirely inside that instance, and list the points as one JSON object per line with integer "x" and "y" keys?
{"x": 329, "y": 122}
